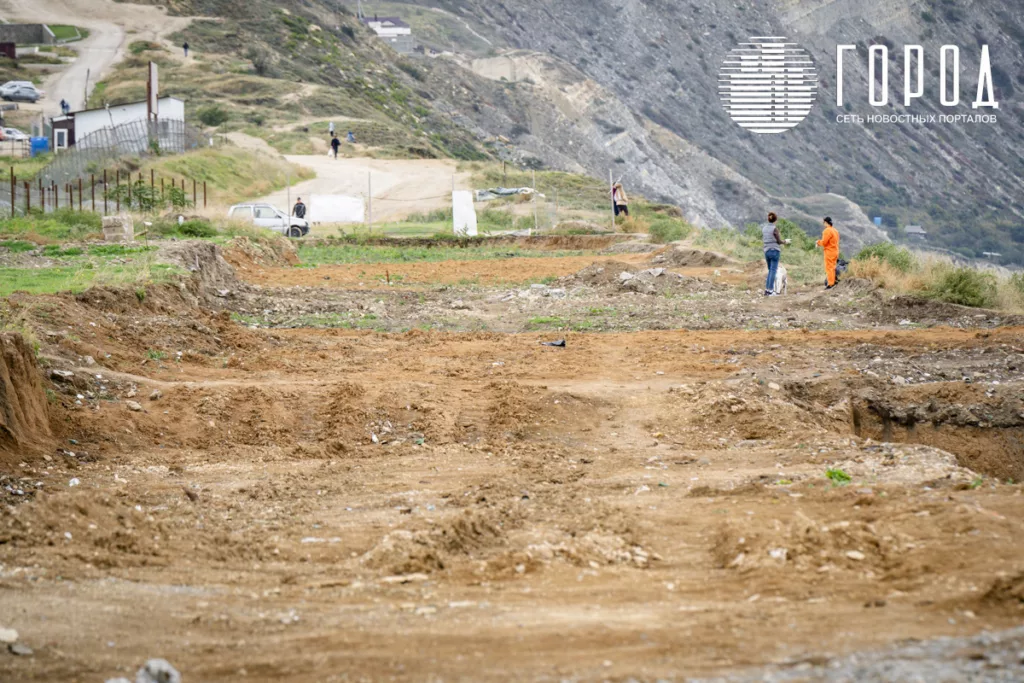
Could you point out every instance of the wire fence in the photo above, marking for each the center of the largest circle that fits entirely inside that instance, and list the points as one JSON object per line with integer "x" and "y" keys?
{"x": 104, "y": 192}
{"x": 133, "y": 139}
{"x": 15, "y": 149}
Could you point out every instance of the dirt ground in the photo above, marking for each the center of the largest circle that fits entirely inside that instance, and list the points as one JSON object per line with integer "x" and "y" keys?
{"x": 400, "y": 187}
{"x": 271, "y": 501}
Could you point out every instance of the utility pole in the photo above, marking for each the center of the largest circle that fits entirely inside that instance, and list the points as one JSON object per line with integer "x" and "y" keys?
{"x": 535, "y": 201}
{"x": 611, "y": 186}
{"x": 359, "y": 10}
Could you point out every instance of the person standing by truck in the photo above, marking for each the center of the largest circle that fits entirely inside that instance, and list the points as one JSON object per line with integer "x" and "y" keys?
{"x": 300, "y": 209}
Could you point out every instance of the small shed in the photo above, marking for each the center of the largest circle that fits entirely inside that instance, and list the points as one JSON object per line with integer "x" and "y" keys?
{"x": 916, "y": 232}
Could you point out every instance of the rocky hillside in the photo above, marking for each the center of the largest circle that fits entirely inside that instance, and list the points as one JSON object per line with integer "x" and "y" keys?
{"x": 639, "y": 82}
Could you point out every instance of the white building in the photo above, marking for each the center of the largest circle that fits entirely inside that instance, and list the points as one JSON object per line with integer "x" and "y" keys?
{"x": 85, "y": 129}
{"x": 394, "y": 32}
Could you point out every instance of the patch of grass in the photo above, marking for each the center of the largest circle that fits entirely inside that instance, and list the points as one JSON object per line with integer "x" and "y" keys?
{"x": 153, "y": 354}
{"x": 965, "y": 286}
{"x": 546, "y": 322}
{"x": 838, "y": 477}
{"x": 24, "y": 168}
{"x": 65, "y": 32}
{"x": 65, "y": 224}
{"x": 667, "y": 230}
{"x": 232, "y": 174}
{"x": 17, "y": 246}
{"x": 358, "y": 253}
{"x": 56, "y": 251}
{"x": 899, "y": 258}
{"x": 118, "y": 250}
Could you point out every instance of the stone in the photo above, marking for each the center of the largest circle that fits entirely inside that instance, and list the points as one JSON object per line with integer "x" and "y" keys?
{"x": 155, "y": 396}
{"x": 158, "y": 671}
{"x": 8, "y": 636}
{"x": 118, "y": 228}
{"x": 855, "y": 555}
{"x": 20, "y": 649}
{"x": 62, "y": 375}
{"x": 134, "y": 406}
{"x": 774, "y": 387}
{"x": 89, "y": 360}
{"x": 899, "y": 381}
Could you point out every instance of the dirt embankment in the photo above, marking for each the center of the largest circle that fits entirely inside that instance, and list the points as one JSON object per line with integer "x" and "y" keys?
{"x": 24, "y": 419}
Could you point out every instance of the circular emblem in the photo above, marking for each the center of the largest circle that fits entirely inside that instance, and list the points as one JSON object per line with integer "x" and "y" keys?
{"x": 768, "y": 85}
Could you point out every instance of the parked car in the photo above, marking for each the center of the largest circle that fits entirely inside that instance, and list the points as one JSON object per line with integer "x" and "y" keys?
{"x": 15, "y": 135}
{"x": 270, "y": 217}
{"x": 20, "y": 91}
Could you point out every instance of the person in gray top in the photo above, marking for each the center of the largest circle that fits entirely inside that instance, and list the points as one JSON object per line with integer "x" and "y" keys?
{"x": 772, "y": 239}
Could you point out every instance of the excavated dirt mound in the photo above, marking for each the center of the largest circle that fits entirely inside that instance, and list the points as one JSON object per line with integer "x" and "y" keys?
{"x": 685, "y": 257}
{"x": 24, "y": 417}
{"x": 627, "y": 278}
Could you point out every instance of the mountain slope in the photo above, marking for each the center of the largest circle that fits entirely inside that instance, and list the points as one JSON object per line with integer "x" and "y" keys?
{"x": 661, "y": 58}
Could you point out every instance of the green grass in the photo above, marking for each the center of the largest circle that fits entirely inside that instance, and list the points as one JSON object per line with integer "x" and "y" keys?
{"x": 24, "y": 169}
{"x": 232, "y": 174}
{"x": 838, "y": 477}
{"x": 899, "y": 258}
{"x": 65, "y": 224}
{"x": 65, "y": 32}
{"x": 357, "y": 253}
{"x": 78, "y": 278}
{"x": 17, "y": 246}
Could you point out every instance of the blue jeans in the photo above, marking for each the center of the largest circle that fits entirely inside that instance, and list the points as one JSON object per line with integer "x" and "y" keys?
{"x": 772, "y": 256}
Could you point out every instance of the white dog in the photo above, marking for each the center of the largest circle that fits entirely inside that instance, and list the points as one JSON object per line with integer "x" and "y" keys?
{"x": 781, "y": 281}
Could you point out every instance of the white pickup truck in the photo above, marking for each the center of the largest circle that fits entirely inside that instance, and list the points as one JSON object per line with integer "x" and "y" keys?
{"x": 270, "y": 217}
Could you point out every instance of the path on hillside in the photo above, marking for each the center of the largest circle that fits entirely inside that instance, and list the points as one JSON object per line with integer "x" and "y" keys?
{"x": 400, "y": 186}
{"x": 108, "y": 23}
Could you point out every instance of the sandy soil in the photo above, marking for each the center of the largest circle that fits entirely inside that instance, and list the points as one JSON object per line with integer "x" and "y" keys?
{"x": 108, "y": 23}
{"x": 331, "y": 505}
{"x": 400, "y": 187}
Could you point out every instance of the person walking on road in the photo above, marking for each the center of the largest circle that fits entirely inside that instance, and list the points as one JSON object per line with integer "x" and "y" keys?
{"x": 773, "y": 243}
{"x": 65, "y": 108}
{"x": 300, "y": 209}
{"x": 335, "y": 144}
{"x": 185, "y": 48}
{"x": 829, "y": 243}
{"x": 620, "y": 200}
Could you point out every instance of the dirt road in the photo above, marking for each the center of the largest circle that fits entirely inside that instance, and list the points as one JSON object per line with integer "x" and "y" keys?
{"x": 400, "y": 187}
{"x": 108, "y": 23}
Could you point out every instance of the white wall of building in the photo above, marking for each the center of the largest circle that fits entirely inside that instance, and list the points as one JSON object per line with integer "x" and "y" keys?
{"x": 87, "y": 122}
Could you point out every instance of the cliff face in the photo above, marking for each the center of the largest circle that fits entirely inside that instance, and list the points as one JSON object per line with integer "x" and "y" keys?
{"x": 641, "y": 81}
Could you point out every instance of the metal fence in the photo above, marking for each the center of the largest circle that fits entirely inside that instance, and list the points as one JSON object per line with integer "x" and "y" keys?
{"x": 103, "y": 192}
{"x": 16, "y": 149}
{"x": 134, "y": 139}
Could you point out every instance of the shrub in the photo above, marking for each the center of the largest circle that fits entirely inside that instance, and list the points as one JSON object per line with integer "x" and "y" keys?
{"x": 197, "y": 228}
{"x": 213, "y": 115}
{"x": 1017, "y": 282}
{"x": 965, "y": 286}
{"x": 73, "y": 218}
{"x": 668, "y": 230}
{"x": 897, "y": 257}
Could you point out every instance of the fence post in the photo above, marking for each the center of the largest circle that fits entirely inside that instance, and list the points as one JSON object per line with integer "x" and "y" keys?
{"x": 13, "y": 181}
{"x": 204, "y": 194}
{"x": 117, "y": 189}
{"x": 152, "y": 180}
{"x": 104, "y": 192}
{"x": 42, "y": 197}
{"x": 28, "y": 199}
{"x": 129, "y": 191}
{"x": 162, "y": 193}
{"x": 194, "y": 198}
{"x": 79, "y": 193}
{"x": 92, "y": 181}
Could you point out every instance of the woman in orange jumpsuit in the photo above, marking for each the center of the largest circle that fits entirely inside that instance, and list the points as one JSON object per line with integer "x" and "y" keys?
{"x": 830, "y": 243}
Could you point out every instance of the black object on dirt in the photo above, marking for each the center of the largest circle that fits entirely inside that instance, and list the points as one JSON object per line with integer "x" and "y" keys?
{"x": 560, "y": 343}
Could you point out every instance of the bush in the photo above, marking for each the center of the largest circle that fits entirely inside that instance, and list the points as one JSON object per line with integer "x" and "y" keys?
{"x": 213, "y": 115}
{"x": 965, "y": 286}
{"x": 668, "y": 230}
{"x": 897, "y": 257}
{"x": 73, "y": 218}
{"x": 197, "y": 228}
